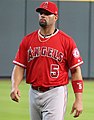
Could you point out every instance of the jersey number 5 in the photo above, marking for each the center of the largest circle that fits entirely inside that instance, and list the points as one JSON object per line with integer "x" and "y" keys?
{"x": 54, "y": 70}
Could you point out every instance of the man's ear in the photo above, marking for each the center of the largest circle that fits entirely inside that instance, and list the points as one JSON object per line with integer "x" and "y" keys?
{"x": 56, "y": 17}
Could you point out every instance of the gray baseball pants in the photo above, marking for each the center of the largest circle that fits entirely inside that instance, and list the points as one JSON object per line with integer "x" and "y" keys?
{"x": 49, "y": 105}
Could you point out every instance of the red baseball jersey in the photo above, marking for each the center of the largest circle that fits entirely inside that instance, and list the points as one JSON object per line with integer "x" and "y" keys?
{"x": 47, "y": 60}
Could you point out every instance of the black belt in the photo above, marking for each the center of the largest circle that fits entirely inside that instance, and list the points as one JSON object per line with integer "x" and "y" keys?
{"x": 43, "y": 89}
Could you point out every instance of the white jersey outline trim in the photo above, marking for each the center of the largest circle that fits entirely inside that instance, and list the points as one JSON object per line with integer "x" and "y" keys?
{"x": 77, "y": 65}
{"x": 15, "y": 62}
{"x": 47, "y": 36}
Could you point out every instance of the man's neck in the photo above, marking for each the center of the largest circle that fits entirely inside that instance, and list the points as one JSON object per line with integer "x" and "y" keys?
{"x": 47, "y": 31}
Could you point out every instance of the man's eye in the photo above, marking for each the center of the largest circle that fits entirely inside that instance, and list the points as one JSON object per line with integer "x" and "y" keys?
{"x": 41, "y": 13}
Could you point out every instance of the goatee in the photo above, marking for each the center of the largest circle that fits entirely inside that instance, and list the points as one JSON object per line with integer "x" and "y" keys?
{"x": 43, "y": 23}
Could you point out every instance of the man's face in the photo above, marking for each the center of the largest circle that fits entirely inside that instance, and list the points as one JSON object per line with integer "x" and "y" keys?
{"x": 46, "y": 18}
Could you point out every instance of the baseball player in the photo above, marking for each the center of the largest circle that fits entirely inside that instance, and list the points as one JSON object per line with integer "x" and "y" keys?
{"x": 47, "y": 55}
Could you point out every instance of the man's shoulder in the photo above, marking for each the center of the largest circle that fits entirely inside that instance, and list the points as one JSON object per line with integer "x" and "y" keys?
{"x": 63, "y": 34}
{"x": 28, "y": 37}
{"x": 32, "y": 34}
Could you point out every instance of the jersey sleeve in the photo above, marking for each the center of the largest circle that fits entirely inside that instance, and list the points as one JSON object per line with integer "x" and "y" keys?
{"x": 73, "y": 55}
{"x": 21, "y": 55}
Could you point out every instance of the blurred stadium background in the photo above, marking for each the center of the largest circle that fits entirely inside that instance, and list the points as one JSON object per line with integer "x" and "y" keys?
{"x": 18, "y": 18}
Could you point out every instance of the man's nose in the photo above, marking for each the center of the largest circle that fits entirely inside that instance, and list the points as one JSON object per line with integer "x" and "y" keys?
{"x": 43, "y": 15}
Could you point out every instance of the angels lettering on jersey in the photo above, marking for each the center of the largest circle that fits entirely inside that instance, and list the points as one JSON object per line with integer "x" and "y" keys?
{"x": 46, "y": 52}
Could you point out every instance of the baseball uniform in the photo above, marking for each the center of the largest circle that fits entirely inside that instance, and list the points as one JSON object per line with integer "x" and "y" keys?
{"x": 47, "y": 62}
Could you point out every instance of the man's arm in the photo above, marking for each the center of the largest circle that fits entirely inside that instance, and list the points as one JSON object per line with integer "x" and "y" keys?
{"x": 17, "y": 76}
{"x": 77, "y": 105}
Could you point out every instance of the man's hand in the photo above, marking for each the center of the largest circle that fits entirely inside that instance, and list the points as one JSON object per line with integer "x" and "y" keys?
{"x": 77, "y": 108}
{"x": 15, "y": 95}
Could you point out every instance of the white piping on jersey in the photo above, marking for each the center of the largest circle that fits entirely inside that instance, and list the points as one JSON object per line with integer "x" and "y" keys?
{"x": 65, "y": 98}
{"x": 15, "y": 62}
{"x": 47, "y": 36}
{"x": 43, "y": 40}
{"x": 76, "y": 65}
